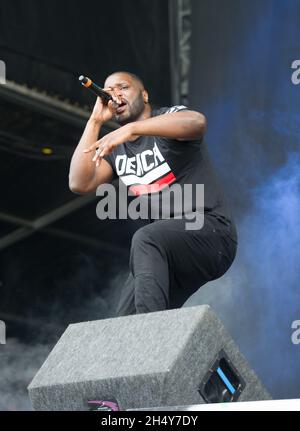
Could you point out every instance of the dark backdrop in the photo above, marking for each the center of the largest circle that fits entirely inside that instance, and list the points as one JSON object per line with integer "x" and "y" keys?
{"x": 49, "y": 44}
{"x": 48, "y": 281}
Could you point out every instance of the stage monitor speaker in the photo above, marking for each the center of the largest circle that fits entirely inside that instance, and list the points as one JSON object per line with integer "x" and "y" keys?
{"x": 167, "y": 358}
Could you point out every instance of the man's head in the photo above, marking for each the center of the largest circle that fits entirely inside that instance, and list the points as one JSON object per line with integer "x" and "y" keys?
{"x": 130, "y": 89}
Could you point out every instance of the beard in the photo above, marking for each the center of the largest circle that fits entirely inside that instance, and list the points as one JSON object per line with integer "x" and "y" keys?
{"x": 132, "y": 112}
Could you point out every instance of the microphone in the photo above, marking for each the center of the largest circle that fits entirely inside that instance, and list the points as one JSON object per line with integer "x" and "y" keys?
{"x": 88, "y": 83}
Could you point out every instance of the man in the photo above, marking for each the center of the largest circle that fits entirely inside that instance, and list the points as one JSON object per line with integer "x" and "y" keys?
{"x": 153, "y": 149}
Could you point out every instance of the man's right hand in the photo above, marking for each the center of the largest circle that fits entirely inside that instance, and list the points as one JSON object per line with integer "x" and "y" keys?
{"x": 103, "y": 112}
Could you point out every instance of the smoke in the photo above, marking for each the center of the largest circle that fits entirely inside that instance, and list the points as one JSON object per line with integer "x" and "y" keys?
{"x": 259, "y": 297}
{"x": 20, "y": 360}
{"x": 19, "y": 363}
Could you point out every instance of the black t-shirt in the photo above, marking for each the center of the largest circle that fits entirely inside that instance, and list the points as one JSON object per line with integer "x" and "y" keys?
{"x": 149, "y": 163}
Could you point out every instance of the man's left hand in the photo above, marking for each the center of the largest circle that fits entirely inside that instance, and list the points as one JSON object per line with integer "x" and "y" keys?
{"x": 109, "y": 142}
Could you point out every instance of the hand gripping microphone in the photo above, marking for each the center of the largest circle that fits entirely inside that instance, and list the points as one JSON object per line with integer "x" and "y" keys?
{"x": 88, "y": 83}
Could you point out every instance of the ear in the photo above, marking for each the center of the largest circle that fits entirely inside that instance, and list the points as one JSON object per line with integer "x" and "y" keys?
{"x": 145, "y": 96}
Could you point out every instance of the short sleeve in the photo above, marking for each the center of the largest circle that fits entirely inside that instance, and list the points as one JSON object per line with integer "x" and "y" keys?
{"x": 176, "y": 108}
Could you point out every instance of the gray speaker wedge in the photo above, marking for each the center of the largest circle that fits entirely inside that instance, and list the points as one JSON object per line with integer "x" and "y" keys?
{"x": 165, "y": 358}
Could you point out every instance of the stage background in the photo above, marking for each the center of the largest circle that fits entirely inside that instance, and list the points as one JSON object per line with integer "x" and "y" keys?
{"x": 240, "y": 78}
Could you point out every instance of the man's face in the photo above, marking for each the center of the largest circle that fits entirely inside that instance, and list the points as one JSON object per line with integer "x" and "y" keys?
{"x": 130, "y": 92}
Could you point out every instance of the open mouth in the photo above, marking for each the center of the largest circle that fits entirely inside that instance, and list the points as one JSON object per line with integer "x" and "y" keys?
{"x": 122, "y": 107}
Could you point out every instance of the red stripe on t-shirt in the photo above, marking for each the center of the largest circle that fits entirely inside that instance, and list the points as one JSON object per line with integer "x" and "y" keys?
{"x": 154, "y": 187}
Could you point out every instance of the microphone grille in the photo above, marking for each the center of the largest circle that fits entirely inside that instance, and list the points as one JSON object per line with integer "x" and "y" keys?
{"x": 82, "y": 79}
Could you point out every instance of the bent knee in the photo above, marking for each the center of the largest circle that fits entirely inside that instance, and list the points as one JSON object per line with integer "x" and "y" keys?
{"x": 143, "y": 236}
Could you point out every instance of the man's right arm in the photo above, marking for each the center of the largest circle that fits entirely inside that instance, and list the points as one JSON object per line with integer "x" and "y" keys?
{"x": 84, "y": 175}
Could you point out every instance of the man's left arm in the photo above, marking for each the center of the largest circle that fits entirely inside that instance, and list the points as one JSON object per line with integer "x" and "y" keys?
{"x": 183, "y": 125}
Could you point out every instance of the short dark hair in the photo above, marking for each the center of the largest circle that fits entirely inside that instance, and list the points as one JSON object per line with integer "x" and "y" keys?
{"x": 133, "y": 75}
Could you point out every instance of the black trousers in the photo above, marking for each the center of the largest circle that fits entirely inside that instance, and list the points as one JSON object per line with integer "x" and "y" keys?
{"x": 169, "y": 263}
